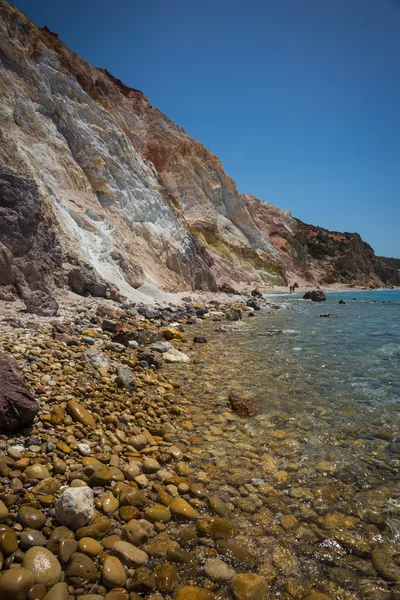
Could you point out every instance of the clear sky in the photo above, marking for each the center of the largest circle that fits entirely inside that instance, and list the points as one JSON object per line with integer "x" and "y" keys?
{"x": 300, "y": 99}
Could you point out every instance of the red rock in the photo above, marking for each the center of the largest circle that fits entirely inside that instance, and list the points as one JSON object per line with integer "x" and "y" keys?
{"x": 244, "y": 407}
{"x": 18, "y": 406}
{"x": 69, "y": 340}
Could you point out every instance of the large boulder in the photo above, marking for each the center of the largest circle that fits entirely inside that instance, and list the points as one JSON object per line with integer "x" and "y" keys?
{"x": 315, "y": 296}
{"x": 30, "y": 254}
{"x": 40, "y": 303}
{"x": 18, "y": 406}
{"x": 83, "y": 280}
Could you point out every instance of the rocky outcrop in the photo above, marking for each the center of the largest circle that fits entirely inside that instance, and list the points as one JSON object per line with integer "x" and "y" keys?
{"x": 391, "y": 262}
{"x": 315, "y": 296}
{"x": 62, "y": 128}
{"x": 40, "y": 303}
{"x": 30, "y": 256}
{"x": 18, "y": 406}
{"x": 102, "y": 192}
{"x": 334, "y": 257}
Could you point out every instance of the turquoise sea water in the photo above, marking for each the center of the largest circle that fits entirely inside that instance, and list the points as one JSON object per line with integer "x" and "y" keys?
{"x": 352, "y": 355}
{"x": 315, "y": 475}
{"x": 336, "y": 380}
{"x": 340, "y": 373}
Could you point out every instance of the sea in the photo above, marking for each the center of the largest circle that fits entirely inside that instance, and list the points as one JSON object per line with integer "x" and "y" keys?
{"x": 335, "y": 365}
{"x": 315, "y": 476}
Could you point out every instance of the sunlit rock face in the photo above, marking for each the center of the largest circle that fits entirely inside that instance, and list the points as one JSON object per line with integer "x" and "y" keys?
{"x": 109, "y": 208}
{"x": 127, "y": 194}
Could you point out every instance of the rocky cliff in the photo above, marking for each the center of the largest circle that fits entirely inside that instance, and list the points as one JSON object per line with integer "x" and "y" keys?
{"x": 121, "y": 195}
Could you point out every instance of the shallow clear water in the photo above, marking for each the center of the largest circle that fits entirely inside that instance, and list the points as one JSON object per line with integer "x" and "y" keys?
{"x": 348, "y": 364}
{"x": 325, "y": 449}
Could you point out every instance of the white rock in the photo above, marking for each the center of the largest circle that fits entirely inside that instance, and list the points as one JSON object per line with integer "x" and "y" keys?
{"x": 75, "y": 507}
{"x": 84, "y": 449}
{"x": 175, "y": 356}
{"x": 162, "y": 346}
{"x": 218, "y": 570}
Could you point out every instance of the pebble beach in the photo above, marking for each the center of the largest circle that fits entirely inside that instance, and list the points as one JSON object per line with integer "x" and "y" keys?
{"x": 146, "y": 474}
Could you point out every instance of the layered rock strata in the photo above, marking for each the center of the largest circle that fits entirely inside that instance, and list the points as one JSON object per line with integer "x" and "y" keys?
{"x": 123, "y": 196}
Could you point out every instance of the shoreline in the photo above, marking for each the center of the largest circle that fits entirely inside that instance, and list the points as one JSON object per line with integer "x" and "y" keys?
{"x": 151, "y": 503}
{"x": 240, "y": 523}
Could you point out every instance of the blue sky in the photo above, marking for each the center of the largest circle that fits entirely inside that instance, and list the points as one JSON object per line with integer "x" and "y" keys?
{"x": 300, "y": 99}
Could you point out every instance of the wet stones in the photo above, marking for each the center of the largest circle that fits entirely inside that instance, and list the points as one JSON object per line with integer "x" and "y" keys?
{"x": 143, "y": 580}
{"x": 97, "y": 529}
{"x": 80, "y": 414}
{"x": 4, "y": 512}
{"x": 113, "y": 573}
{"x": 66, "y": 549}
{"x": 157, "y": 513}
{"x": 190, "y": 592}
{"x": 236, "y": 553}
{"x": 150, "y": 465}
{"x": 15, "y": 584}
{"x": 217, "y": 505}
{"x": 89, "y": 546}
{"x": 80, "y": 570}
{"x": 134, "y": 533}
{"x": 8, "y": 542}
{"x": 249, "y": 586}
{"x": 43, "y": 566}
{"x": 75, "y": 507}
{"x": 217, "y": 570}
{"x": 31, "y": 538}
{"x": 182, "y": 510}
{"x": 31, "y": 517}
{"x": 384, "y": 563}
{"x": 167, "y": 577}
{"x": 59, "y": 591}
{"x": 216, "y": 527}
{"x": 129, "y": 555}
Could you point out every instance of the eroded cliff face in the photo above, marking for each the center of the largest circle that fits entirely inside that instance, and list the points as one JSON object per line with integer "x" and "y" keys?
{"x": 109, "y": 208}
{"x": 334, "y": 257}
{"x": 128, "y": 196}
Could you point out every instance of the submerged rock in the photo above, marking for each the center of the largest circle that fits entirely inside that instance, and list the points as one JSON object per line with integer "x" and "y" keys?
{"x": 249, "y": 586}
{"x": 315, "y": 296}
{"x": 175, "y": 356}
{"x": 245, "y": 407}
{"x": 233, "y": 314}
